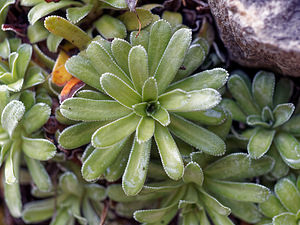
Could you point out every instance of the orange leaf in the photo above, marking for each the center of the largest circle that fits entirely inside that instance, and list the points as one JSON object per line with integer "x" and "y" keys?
{"x": 70, "y": 88}
{"x": 60, "y": 76}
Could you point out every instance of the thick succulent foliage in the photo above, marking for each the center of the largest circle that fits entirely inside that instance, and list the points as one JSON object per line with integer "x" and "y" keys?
{"x": 214, "y": 191}
{"x": 74, "y": 200}
{"x": 283, "y": 206}
{"x": 136, "y": 95}
{"x": 21, "y": 139}
{"x": 264, "y": 107}
{"x": 19, "y": 72}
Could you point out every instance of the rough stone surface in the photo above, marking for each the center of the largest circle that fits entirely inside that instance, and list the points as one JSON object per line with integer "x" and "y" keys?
{"x": 261, "y": 33}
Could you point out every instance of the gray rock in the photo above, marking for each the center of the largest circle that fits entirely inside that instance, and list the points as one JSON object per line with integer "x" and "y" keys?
{"x": 261, "y": 33}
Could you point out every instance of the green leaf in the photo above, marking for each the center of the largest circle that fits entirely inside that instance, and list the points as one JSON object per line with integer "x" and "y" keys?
{"x": 25, "y": 52}
{"x": 83, "y": 69}
{"x": 140, "y": 39}
{"x": 240, "y": 91}
{"x": 120, "y": 50}
{"x": 197, "y": 136}
{"x": 153, "y": 215}
{"x": 239, "y": 166}
{"x": 95, "y": 192}
{"x": 39, "y": 175}
{"x": 162, "y": 116}
{"x": 104, "y": 63}
{"x": 92, "y": 110}
{"x": 12, "y": 196}
{"x": 267, "y": 114}
{"x": 193, "y": 59}
{"x": 260, "y": 142}
{"x": 69, "y": 183}
{"x": 119, "y": 90}
{"x": 5, "y": 147}
{"x": 116, "y": 131}
{"x": 214, "y": 78}
{"x": 292, "y": 126}
{"x": 234, "y": 109}
{"x": 37, "y": 32}
{"x": 53, "y": 41}
{"x": 40, "y": 149}
{"x": 33, "y": 77}
{"x": 213, "y": 204}
{"x": 172, "y": 58}
{"x": 263, "y": 86}
{"x": 12, "y": 164}
{"x": 130, "y": 19}
{"x": 92, "y": 169}
{"x": 174, "y": 99}
{"x": 150, "y": 90}
{"x": 4, "y": 98}
{"x": 169, "y": 152}
{"x": 78, "y": 134}
{"x": 200, "y": 100}
{"x": 280, "y": 168}
{"x": 94, "y": 95}
{"x": 119, "y": 4}
{"x": 271, "y": 207}
{"x": 138, "y": 67}
{"x": 62, "y": 216}
{"x": 136, "y": 170}
{"x": 89, "y": 212}
{"x": 285, "y": 218}
{"x": 283, "y": 91}
{"x": 256, "y": 121}
{"x": 282, "y": 113}
{"x": 245, "y": 192}
{"x": 11, "y": 115}
{"x": 4, "y": 49}
{"x": 63, "y": 28}
{"x": 289, "y": 148}
{"x": 160, "y": 35}
{"x": 110, "y": 27}
{"x": 76, "y": 14}
{"x": 38, "y": 211}
{"x": 193, "y": 174}
{"x": 218, "y": 219}
{"x": 288, "y": 194}
{"x": 213, "y": 116}
{"x": 44, "y": 8}
{"x": 36, "y": 117}
{"x": 145, "y": 129}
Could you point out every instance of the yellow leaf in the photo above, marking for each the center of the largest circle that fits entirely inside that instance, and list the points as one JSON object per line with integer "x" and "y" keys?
{"x": 60, "y": 76}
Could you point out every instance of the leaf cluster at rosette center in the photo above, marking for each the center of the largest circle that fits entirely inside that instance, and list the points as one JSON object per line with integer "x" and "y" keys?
{"x": 137, "y": 95}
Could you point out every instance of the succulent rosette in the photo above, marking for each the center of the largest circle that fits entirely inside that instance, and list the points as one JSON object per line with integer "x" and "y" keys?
{"x": 265, "y": 107}
{"x": 136, "y": 95}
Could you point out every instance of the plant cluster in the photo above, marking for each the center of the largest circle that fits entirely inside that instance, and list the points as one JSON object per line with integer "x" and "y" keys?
{"x": 137, "y": 118}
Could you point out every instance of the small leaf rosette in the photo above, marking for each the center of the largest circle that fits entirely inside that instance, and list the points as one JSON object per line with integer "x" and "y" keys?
{"x": 265, "y": 107}
{"x": 136, "y": 96}
{"x": 74, "y": 200}
{"x": 21, "y": 138}
{"x": 283, "y": 206}
{"x": 214, "y": 192}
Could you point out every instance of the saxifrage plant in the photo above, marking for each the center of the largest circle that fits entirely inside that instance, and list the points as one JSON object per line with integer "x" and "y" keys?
{"x": 137, "y": 95}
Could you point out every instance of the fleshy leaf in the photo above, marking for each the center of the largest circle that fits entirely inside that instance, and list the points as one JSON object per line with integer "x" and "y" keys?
{"x": 240, "y": 91}
{"x": 214, "y": 78}
{"x": 40, "y": 149}
{"x": 38, "y": 211}
{"x": 138, "y": 67}
{"x": 172, "y": 58}
{"x": 63, "y": 28}
{"x": 283, "y": 91}
{"x": 282, "y": 113}
{"x": 293, "y": 125}
{"x": 160, "y": 35}
{"x": 174, "y": 99}
{"x": 288, "y": 194}
{"x": 193, "y": 173}
{"x": 246, "y": 192}
{"x": 285, "y": 218}
{"x": 234, "y": 109}
{"x": 11, "y": 115}
{"x": 271, "y": 207}
{"x": 60, "y": 75}
{"x": 136, "y": 170}
{"x": 75, "y": 14}
{"x": 95, "y": 192}
{"x": 68, "y": 183}
{"x": 92, "y": 169}
{"x": 141, "y": 39}
{"x": 131, "y": 21}
{"x": 120, "y": 50}
{"x": 289, "y": 148}
{"x": 121, "y": 129}
{"x": 78, "y": 134}
{"x": 36, "y": 117}
{"x": 12, "y": 164}
{"x": 92, "y": 110}
{"x": 37, "y": 32}
{"x": 197, "y": 136}
{"x": 33, "y": 77}
{"x": 219, "y": 219}
{"x": 145, "y": 129}
{"x": 260, "y": 143}
{"x": 12, "y": 196}
{"x": 150, "y": 90}
{"x": 110, "y": 27}
{"x": 263, "y": 86}
{"x": 239, "y": 166}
